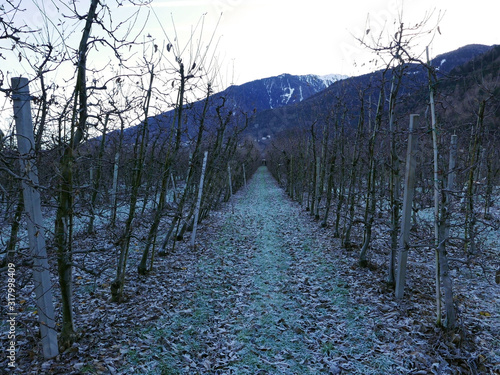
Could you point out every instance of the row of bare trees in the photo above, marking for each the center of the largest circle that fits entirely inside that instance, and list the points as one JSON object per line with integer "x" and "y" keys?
{"x": 362, "y": 169}
{"x": 98, "y": 175}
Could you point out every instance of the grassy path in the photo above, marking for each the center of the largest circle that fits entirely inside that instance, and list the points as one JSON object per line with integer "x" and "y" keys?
{"x": 265, "y": 298}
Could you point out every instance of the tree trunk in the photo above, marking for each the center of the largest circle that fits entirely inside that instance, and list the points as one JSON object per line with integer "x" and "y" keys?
{"x": 395, "y": 179}
{"x": 312, "y": 185}
{"x": 64, "y": 235}
{"x": 118, "y": 284}
{"x": 10, "y": 249}
{"x": 353, "y": 180}
{"x": 64, "y": 215}
{"x": 114, "y": 189}
{"x": 370, "y": 202}
{"x": 322, "y": 167}
{"x": 180, "y": 206}
{"x": 116, "y": 166}
{"x": 411, "y": 164}
{"x": 97, "y": 180}
{"x": 341, "y": 192}
{"x": 230, "y": 186}
{"x": 488, "y": 194}
{"x": 444, "y": 232}
{"x": 318, "y": 187}
{"x": 244, "y": 176}
{"x": 142, "y": 268}
{"x": 329, "y": 189}
{"x": 470, "y": 215}
{"x": 436, "y": 192}
{"x": 198, "y": 202}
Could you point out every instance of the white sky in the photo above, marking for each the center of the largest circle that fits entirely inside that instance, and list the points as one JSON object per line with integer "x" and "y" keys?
{"x": 264, "y": 38}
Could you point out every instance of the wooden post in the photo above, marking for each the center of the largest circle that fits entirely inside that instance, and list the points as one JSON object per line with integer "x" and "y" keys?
{"x": 32, "y": 206}
{"x": 230, "y": 181}
{"x": 190, "y": 164}
{"x": 174, "y": 188}
{"x": 411, "y": 161}
{"x": 450, "y": 185}
{"x": 244, "y": 176}
{"x": 444, "y": 232}
{"x": 114, "y": 189}
{"x": 436, "y": 189}
{"x": 198, "y": 202}
{"x": 318, "y": 187}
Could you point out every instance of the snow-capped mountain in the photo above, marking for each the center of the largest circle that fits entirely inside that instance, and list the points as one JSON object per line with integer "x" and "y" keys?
{"x": 249, "y": 98}
{"x": 267, "y": 124}
{"x": 275, "y": 92}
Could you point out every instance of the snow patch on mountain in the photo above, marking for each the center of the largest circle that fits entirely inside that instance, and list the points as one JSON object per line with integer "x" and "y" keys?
{"x": 328, "y": 79}
{"x": 286, "y": 89}
{"x": 287, "y": 94}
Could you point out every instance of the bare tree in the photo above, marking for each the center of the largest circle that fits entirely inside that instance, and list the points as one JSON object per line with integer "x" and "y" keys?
{"x": 440, "y": 222}
{"x": 64, "y": 217}
{"x": 117, "y": 286}
{"x": 196, "y": 68}
{"x": 370, "y": 202}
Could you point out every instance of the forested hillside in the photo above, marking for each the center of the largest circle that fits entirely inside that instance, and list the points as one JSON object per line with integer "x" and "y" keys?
{"x": 346, "y": 93}
{"x": 244, "y": 100}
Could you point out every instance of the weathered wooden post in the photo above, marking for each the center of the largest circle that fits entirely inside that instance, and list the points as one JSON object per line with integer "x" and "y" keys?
{"x": 436, "y": 188}
{"x": 230, "y": 182}
{"x": 32, "y": 206}
{"x": 290, "y": 177}
{"x": 444, "y": 232}
{"x": 411, "y": 162}
{"x": 244, "y": 176}
{"x": 114, "y": 189}
{"x": 174, "y": 188}
{"x": 450, "y": 185}
{"x": 198, "y": 202}
{"x": 318, "y": 188}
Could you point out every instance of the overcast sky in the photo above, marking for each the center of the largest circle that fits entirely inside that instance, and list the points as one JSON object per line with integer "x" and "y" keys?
{"x": 263, "y": 38}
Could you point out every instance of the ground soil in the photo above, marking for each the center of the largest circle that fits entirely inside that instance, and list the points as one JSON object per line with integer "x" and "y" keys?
{"x": 268, "y": 291}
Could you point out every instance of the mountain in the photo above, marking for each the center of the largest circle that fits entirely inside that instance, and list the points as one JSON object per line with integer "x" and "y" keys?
{"x": 275, "y": 104}
{"x": 446, "y": 62}
{"x": 276, "y": 92}
{"x": 265, "y": 125}
{"x": 249, "y": 98}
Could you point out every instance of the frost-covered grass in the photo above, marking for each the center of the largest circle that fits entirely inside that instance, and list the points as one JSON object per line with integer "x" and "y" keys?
{"x": 81, "y": 218}
{"x": 266, "y": 291}
{"x": 266, "y": 298}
